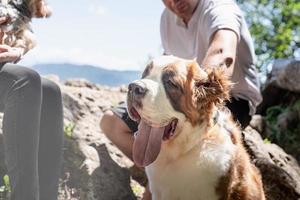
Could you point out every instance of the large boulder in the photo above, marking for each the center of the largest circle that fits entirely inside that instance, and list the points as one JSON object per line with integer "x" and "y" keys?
{"x": 282, "y": 84}
{"x": 285, "y": 74}
{"x": 94, "y": 169}
{"x": 280, "y": 171}
{"x": 280, "y": 109}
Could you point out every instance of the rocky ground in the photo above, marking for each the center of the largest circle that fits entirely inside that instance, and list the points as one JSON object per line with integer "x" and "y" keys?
{"x": 94, "y": 169}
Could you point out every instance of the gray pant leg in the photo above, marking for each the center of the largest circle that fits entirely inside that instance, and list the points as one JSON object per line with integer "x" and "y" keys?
{"x": 33, "y": 128}
{"x": 50, "y": 146}
{"x": 21, "y": 95}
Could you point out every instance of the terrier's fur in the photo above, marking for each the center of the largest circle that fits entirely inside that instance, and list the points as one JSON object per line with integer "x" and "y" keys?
{"x": 16, "y": 31}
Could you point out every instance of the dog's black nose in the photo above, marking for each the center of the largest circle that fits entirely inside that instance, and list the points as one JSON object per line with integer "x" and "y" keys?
{"x": 137, "y": 89}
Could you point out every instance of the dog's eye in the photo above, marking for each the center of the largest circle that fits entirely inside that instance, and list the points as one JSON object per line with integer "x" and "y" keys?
{"x": 171, "y": 84}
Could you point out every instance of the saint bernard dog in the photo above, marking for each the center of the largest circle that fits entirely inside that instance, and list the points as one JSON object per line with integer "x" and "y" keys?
{"x": 187, "y": 141}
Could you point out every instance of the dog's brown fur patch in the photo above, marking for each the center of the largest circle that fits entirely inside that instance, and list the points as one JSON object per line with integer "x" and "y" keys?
{"x": 196, "y": 93}
{"x": 243, "y": 180}
{"x": 196, "y": 99}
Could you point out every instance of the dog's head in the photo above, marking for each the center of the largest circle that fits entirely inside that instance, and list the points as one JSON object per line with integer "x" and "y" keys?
{"x": 171, "y": 91}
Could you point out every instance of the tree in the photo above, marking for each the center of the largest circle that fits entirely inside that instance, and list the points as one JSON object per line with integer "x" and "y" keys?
{"x": 275, "y": 27}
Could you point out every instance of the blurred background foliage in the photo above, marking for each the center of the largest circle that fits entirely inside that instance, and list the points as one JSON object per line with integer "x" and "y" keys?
{"x": 275, "y": 28}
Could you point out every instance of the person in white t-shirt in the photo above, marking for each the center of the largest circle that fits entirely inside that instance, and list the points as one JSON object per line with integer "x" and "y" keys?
{"x": 215, "y": 33}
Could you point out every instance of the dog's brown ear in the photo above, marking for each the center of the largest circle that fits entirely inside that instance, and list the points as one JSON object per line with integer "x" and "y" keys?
{"x": 213, "y": 89}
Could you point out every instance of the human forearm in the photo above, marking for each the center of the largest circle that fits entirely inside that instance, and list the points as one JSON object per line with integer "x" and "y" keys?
{"x": 221, "y": 51}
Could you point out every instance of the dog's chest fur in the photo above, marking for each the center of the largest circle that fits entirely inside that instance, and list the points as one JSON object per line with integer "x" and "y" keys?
{"x": 194, "y": 175}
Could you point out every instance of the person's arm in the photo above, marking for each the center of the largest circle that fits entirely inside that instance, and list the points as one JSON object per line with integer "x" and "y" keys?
{"x": 222, "y": 50}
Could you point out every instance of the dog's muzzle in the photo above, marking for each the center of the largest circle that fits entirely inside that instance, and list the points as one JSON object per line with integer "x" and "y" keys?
{"x": 136, "y": 92}
{"x": 149, "y": 136}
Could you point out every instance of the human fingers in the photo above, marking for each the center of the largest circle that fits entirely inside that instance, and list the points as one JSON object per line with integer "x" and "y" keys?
{"x": 4, "y": 48}
{"x": 9, "y": 56}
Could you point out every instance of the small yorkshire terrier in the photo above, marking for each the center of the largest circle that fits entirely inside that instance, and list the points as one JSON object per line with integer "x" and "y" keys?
{"x": 16, "y": 31}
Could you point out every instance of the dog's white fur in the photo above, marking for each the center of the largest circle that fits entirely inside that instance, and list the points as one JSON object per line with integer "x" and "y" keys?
{"x": 191, "y": 172}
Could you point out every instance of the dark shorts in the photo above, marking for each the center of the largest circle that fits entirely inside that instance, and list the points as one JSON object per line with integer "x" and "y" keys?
{"x": 238, "y": 107}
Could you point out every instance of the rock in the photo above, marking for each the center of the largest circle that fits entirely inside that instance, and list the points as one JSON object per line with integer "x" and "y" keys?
{"x": 272, "y": 95}
{"x": 82, "y": 83}
{"x": 94, "y": 169}
{"x": 282, "y": 84}
{"x": 257, "y": 122}
{"x": 123, "y": 88}
{"x": 280, "y": 171}
{"x": 287, "y": 120}
{"x": 53, "y": 78}
{"x": 109, "y": 176}
{"x": 285, "y": 74}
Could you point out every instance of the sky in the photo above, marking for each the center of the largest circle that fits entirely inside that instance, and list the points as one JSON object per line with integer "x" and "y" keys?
{"x": 114, "y": 34}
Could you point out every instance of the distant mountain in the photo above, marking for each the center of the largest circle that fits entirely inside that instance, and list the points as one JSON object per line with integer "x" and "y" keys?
{"x": 94, "y": 74}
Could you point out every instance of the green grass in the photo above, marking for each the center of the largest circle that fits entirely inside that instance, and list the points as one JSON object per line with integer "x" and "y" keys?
{"x": 5, "y": 189}
{"x": 68, "y": 129}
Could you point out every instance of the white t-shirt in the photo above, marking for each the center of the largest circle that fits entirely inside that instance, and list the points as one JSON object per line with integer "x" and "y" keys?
{"x": 192, "y": 41}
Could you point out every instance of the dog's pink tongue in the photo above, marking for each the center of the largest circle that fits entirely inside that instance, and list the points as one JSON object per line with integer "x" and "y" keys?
{"x": 147, "y": 143}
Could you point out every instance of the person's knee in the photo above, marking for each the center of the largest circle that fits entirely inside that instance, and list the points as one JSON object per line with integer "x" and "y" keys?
{"x": 107, "y": 122}
{"x": 25, "y": 78}
{"x": 31, "y": 77}
{"x": 51, "y": 90}
{"x": 112, "y": 125}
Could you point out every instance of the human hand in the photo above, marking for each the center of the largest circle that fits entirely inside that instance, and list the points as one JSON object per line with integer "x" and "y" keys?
{"x": 3, "y": 20}
{"x": 9, "y": 54}
{"x": 222, "y": 51}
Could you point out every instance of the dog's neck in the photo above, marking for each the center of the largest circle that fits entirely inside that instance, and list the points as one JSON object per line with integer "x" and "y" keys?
{"x": 187, "y": 136}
